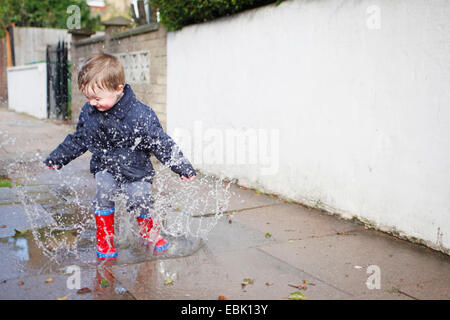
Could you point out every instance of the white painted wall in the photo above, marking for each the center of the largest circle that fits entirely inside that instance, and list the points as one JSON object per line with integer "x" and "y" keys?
{"x": 355, "y": 97}
{"x": 27, "y": 89}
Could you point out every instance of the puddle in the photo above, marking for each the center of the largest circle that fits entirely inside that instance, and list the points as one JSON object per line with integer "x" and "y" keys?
{"x": 25, "y": 257}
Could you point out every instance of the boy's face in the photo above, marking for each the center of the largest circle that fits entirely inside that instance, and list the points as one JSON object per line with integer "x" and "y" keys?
{"x": 103, "y": 99}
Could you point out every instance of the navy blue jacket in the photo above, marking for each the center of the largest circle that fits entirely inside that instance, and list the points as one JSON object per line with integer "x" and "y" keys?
{"x": 121, "y": 140}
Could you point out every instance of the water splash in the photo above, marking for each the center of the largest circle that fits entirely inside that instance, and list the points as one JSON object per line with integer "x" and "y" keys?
{"x": 62, "y": 222}
{"x": 5, "y": 139}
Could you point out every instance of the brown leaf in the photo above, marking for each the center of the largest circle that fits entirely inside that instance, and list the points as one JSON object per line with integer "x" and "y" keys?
{"x": 247, "y": 281}
{"x": 300, "y": 287}
{"x": 20, "y": 283}
{"x": 49, "y": 280}
{"x": 83, "y": 291}
{"x": 222, "y": 298}
{"x": 3, "y": 226}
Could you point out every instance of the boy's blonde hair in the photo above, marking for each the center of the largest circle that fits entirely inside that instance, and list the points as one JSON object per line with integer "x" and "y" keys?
{"x": 101, "y": 70}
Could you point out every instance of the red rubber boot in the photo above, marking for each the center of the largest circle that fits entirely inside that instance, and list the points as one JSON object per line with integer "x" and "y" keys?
{"x": 105, "y": 234}
{"x": 149, "y": 232}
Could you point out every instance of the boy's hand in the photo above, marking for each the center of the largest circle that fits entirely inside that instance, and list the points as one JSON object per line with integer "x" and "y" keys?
{"x": 188, "y": 179}
{"x": 51, "y": 165}
{"x": 57, "y": 167}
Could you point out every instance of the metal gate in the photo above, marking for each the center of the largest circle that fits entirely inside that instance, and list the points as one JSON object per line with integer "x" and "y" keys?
{"x": 57, "y": 81}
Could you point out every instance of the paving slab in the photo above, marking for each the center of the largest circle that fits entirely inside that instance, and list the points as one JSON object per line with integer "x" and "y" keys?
{"x": 19, "y": 258}
{"x": 428, "y": 290}
{"x": 33, "y": 194}
{"x": 21, "y": 217}
{"x": 34, "y": 287}
{"x": 233, "y": 236}
{"x": 8, "y": 196}
{"x": 344, "y": 260}
{"x": 22, "y": 136}
{"x": 242, "y": 198}
{"x": 73, "y": 180}
{"x": 210, "y": 193}
{"x": 41, "y": 194}
{"x": 289, "y": 222}
{"x": 60, "y": 286}
{"x": 206, "y": 276}
{"x": 381, "y": 295}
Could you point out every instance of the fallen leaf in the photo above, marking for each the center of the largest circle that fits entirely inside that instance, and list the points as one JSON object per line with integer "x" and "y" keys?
{"x": 49, "y": 280}
{"x": 63, "y": 298}
{"x": 267, "y": 235}
{"x": 300, "y": 287}
{"x": 3, "y": 226}
{"x": 20, "y": 283}
{"x": 168, "y": 281}
{"x": 308, "y": 283}
{"x": 229, "y": 221}
{"x": 393, "y": 291}
{"x": 297, "y": 295}
{"x": 20, "y": 233}
{"x": 104, "y": 283}
{"x": 247, "y": 281}
{"x": 268, "y": 284}
{"x": 83, "y": 291}
{"x": 222, "y": 298}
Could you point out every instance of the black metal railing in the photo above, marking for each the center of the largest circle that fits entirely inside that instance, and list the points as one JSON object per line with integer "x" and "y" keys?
{"x": 57, "y": 81}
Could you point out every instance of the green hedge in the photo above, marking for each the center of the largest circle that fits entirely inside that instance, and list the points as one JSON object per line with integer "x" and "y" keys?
{"x": 43, "y": 14}
{"x": 175, "y": 14}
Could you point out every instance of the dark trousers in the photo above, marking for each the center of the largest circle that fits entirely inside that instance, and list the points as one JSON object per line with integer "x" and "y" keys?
{"x": 139, "y": 199}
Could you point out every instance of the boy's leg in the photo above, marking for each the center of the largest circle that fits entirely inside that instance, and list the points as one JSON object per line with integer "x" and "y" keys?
{"x": 104, "y": 208}
{"x": 140, "y": 202}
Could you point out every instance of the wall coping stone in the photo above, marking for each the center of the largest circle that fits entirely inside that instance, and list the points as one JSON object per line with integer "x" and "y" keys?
{"x": 123, "y": 34}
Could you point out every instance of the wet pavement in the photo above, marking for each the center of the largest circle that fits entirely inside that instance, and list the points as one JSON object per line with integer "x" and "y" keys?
{"x": 258, "y": 247}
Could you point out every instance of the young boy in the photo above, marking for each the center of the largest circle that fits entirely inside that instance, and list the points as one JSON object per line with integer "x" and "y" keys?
{"x": 122, "y": 133}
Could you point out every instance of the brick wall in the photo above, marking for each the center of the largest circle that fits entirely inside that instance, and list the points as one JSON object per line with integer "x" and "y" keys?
{"x": 151, "y": 38}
